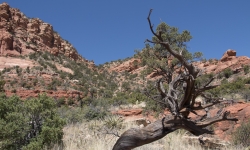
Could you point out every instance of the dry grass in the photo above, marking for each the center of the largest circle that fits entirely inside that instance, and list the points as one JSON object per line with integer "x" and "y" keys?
{"x": 89, "y": 136}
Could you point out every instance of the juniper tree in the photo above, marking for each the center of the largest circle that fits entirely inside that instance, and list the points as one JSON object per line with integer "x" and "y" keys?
{"x": 169, "y": 57}
{"x": 32, "y": 124}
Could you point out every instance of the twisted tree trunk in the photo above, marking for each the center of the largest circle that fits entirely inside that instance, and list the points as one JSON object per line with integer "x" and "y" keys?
{"x": 179, "y": 106}
{"x": 136, "y": 137}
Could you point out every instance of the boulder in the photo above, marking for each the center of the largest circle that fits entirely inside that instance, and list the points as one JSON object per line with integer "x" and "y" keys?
{"x": 228, "y": 55}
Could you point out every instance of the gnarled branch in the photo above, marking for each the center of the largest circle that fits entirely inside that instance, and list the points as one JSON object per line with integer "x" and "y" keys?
{"x": 180, "y": 107}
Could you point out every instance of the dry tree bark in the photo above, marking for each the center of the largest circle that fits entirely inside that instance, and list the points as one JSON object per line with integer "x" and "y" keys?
{"x": 179, "y": 106}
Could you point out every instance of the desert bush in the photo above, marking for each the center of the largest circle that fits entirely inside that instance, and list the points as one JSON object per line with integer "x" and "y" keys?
{"x": 126, "y": 86}
{"x": 246, "y": 69}
{"x": 31, "y": 124}
{"x": 28, "y": 69}
{"x": 45, "y": 55}
{"x": 132, "y": 76}
{"x": 35, "y": 81}
{"x": 152, "y": 106}
{"x": 136, "y": 97}
{"x": 71, "y": 115}
{"x": 52, "y": 66}
{"x": 238, "y": 85}
{"x": 70, "y": 101}
{"x": 242, "y": 135}
{"x": 60, "y": 101}
{"x": 2, "y": 83}
{"x": 13, "y": 91}
{"x": 63, "y": 75}
{"x": 227, "y": 72}
{"x": 247, "y": 80}
{"x": 33, "y": 56}
{"x": 220, "y": 76}
{"x": 200, "y": 81}
{"x": 113, "y": 122}
{"x": 121, "y": 98}
{"x": 92, "y": 113}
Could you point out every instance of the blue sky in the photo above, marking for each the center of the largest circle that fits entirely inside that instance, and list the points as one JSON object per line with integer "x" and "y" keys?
{"x": 106, "y": 30}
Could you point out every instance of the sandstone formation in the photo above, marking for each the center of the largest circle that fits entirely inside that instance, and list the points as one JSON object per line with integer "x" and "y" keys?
{"x": 11, "y": 62}
{"x": 20, "y": 35}
{"x": 228, "y": 60}
{"x": 130, "y": 66}
{"x": 222, "y": 130}
{"x": 128, "y": 112}
{"x": 228, "y": 55}
{"x": 24, "y": 94}
{"x": 239, "y": 110}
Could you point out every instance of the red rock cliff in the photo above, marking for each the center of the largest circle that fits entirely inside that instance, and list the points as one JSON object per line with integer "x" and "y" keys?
{"x": 20, "y": 35}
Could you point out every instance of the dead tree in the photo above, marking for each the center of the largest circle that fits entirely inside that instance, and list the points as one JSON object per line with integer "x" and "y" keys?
{"x": 180, "y": 101}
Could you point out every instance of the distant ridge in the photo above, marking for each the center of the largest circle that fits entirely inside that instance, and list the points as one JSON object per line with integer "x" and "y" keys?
{"x": 20, "y": 35}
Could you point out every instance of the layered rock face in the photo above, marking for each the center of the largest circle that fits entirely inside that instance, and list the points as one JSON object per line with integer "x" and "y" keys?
{"x": 228, "y": 60}
{"x": 130, "y": 66}
{"x": 20, "y": 35}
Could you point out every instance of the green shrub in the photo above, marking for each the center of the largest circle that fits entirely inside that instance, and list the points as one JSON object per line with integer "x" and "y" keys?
{"x": 70, "y": 101}
{"x": 74, "y": 115}
{"x": 71, "y": 115}
{"x": 113, "y": 122}
{"x": 132, "y": 76}
{"x": 33, "y": 56}
{"x": 242, "y": 135}
{"x": 13, "y": 91}
{"x": 60, "y": 101}
{"x": 247, "y": 81}
{"x": 220, "y": 75}
{"x": 31, "y": 124}
{"x": 202, "y": 80}
{"x": 28, "y": 69}
{"x": 63, "y": 75}
{"x": 136, "y": 96}
{"x": 2, "y": 83}
{"x": 92, "y": 113}
{"x": 35, "y": 81}
{"x": 227, "y": 72}
{"x": 246, "y": 69}
{"x": 125, "y": 86}
{"x": 237, "y": 86}
{"x": 45, "y": 55}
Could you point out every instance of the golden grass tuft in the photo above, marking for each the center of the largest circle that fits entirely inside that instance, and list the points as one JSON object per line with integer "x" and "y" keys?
{"x": 90, "y": 136}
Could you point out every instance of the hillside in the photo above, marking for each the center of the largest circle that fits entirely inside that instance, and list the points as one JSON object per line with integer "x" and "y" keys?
{"x": 34, "y": 59}
{"x": 21, "y": 35}
{"x": 31, "y": 43}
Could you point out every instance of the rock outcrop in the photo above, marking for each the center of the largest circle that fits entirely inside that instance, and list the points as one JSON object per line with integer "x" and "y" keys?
{"x": 239, "y": 110}
{"x": 228, "y": 55}
{"x": 20, "y": 35}
{"x": 24, "y": 94}
{"x": 228, "y": 60}
{"x": 130, "y": 66}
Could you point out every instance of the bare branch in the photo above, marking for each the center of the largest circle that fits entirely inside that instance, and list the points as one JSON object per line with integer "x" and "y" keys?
{"x": 149, "y": 96}
{"x": 205, "y": 88}
{"x": 207, "y": 105}
{"x": 160, "y": 88}
{"x": 108, "y": 131}
{"x": 215, "y": 119}
{"x": 151, "y": 26}
{"x": 211, "y": 80}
